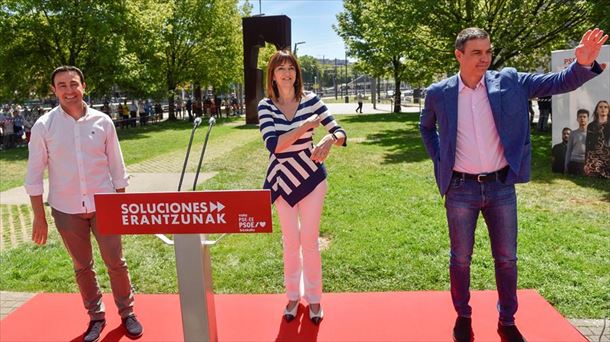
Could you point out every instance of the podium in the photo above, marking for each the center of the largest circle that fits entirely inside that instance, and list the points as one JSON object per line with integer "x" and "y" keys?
{"x": 190, "y": 216}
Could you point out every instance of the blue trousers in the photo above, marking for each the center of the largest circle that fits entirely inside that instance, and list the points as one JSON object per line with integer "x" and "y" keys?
{"x": 497, "y": 202}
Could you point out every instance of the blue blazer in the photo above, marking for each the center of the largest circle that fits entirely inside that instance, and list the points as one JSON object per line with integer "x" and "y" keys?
{"x": 508, "y": 92}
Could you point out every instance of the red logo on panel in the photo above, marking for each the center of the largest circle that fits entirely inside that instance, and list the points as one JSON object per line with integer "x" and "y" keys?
{"x": 239, "y": 211}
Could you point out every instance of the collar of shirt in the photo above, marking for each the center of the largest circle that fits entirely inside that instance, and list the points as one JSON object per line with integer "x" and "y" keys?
{"x": 85, "y": 106}
{"x": 461, "y": 84}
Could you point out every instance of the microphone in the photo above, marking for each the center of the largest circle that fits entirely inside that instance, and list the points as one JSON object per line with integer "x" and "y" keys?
{"x": 197, "y": 122}
{"x": 211, "y": 121}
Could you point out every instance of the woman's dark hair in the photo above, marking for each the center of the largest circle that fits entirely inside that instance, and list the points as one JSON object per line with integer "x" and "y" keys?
{"x": 595, "y": 113}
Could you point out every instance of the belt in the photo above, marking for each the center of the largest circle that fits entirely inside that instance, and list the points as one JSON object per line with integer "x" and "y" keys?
{"x": 484, "y": 177}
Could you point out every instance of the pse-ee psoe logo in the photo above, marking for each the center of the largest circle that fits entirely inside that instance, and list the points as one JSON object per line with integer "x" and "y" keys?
{"x": 249, "y": 224}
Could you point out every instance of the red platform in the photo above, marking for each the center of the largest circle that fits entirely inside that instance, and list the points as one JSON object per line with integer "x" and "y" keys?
{"x": 386, "y": 316}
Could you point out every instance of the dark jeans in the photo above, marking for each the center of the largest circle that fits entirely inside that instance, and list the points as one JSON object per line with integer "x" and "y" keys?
{"x": 543, "y": 120}
{"x": 498, "y": 204}
{"x": 576, "y": 168}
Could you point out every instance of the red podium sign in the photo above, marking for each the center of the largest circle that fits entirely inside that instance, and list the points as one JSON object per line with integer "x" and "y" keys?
{"x": 239, "y": 211}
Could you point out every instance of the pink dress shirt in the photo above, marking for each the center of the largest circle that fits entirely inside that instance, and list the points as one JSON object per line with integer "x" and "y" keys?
{"x": 478, "y": 147}
{"x": 83, "y": 156}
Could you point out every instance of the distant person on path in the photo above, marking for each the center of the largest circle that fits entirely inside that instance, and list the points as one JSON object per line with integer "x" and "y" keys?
{"x": 148, "y": 111}
{"x": 189, "y": 109}
{"x": 359, "y": 108}
{"x": 18, "y": 126}
{"x": 8, "y": 130}
{"x": 597, "y": 155}
{"x": 141, "y": 112}
{"x": 475, "y": 128}
{"x": 133, "y": 113}
{"x": 544, "y": 106}
{"x": 158, "y": 112}
{"x": 80, "y": 147}
{"x": 234, "y": 105}
{"x": 296, "y": 175}
{"x": 558, "y": 154}
{"x": 577, "y": 145}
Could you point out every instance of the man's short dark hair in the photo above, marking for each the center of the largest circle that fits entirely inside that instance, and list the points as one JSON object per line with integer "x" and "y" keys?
{"x": 469, "y": 34}
{"x": 65, "y": 68}
{"x": 582, "y": 111}
{"x": 566, "y": 129}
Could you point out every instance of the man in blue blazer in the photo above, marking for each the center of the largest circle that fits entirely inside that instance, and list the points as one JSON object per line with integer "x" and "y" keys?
{"x": 475, "y": 128}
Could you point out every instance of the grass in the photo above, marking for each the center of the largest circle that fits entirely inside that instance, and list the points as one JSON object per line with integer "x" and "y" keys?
{"x": 384, "y": 222}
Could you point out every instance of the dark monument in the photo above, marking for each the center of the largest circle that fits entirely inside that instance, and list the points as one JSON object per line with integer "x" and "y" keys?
{"x": 258, "y": 30}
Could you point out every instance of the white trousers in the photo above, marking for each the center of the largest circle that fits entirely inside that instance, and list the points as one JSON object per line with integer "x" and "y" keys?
{"x": 300, "y": 230}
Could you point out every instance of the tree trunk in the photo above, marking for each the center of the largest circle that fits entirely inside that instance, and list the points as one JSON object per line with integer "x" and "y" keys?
{"x": 171, "y": 87}
{"x": 171, "y": 106}
{"x": 197, "y": 103}
{"x": 396, "y": 66}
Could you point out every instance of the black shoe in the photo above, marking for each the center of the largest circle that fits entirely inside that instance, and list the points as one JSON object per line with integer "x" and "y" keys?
{"x": 462, "y": 330}
{"x": 316, "y": 318}
{"x": 132, "y": 326}
{"x": 290, "y": 315}
{"x": 510, "y": 333}
{"x": 94, "y": 330}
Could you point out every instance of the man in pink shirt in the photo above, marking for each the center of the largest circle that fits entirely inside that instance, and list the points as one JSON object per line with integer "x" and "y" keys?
{"x": 80, "y": 147}
{"x": 475, "y": 128}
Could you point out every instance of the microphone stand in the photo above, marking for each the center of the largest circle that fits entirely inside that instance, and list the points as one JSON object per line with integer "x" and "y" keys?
{"x": 196, "y": 124}
{"x": 195, "y": 278}
{"x": 212, "y": 121}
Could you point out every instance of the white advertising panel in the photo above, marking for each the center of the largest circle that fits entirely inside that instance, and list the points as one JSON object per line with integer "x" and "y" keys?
{"x": 566, "y": 105}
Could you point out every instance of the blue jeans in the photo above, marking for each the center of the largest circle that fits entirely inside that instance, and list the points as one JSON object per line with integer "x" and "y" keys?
{"x": 498, "y": 203}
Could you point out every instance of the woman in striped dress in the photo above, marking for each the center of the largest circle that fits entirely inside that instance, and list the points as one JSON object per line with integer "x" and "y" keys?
{"x": 296, "y": 175}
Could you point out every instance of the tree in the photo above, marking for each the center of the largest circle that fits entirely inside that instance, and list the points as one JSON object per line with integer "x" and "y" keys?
{"x": 182, "y": 41}
{"x": 413, "y": 40}
{"x": 264, "y": 55}
{"x": 523, "y": 32}
{"x": 310, "y": 68}
{"x": 379, "y": 34}
{"x": 36, "y": 36}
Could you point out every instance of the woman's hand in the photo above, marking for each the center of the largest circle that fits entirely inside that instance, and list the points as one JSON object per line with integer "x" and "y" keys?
{"x": 322, "y": 149}
{"x": 312, "y": 122}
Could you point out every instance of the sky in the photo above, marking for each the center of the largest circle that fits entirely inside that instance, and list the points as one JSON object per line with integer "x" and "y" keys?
{"x": 311, "y": 22}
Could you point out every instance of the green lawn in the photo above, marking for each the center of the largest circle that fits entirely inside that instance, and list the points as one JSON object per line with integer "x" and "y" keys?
{"x": 383, "y": 224}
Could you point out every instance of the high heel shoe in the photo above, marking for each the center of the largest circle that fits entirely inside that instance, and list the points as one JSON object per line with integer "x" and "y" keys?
{"x": 289, "y": 315}
{"x": 316, "y": 318}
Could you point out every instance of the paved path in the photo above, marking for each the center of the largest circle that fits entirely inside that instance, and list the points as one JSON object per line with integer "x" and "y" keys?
{"x": 367, "y": 108}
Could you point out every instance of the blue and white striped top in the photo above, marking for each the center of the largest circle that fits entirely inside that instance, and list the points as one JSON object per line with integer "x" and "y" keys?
{"x": 292, "y": 174}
